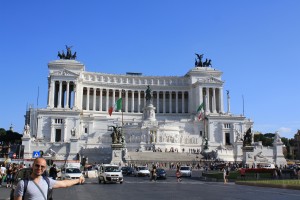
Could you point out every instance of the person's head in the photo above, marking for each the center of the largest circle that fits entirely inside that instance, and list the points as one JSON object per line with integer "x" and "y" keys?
{"x": 54, "y": 165}
{"x": 39, "y": 166}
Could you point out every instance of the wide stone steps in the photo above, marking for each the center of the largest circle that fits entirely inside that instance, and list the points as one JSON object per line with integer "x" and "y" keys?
{"x": 162, "y": 156}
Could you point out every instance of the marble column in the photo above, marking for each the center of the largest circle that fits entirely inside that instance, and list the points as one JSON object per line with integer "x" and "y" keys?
{"x": 176, "y": 104}
{"x": 94, "y": 99}
{"x": 157, "y": 102}
{"x": 87, "y": 98}
{"x": 164, "y": 102}
{"x": 60, "y": 94}
{"x": 68, "y": 95}
{"x": 139, "y": 101}
{"x": 101, "y": 96}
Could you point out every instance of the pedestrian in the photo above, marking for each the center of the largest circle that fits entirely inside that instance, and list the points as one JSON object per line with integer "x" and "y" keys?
{"x": 178, "y": 175}
{"x": 2, "y": 174}
{"x": 37, "y": 187}
{"x": 225, "y": 175}
{"x": 243, "y": 173}
{"x": 153, "y": 173}
{"x": 9, "y": 179}
{"x": 53, "y": 172}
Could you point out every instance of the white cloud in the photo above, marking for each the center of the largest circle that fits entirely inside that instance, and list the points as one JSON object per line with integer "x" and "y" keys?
{"x": 286, "y": 132}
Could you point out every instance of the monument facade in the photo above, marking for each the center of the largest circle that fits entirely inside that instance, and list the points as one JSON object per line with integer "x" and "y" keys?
{"x": 158, "y": 112}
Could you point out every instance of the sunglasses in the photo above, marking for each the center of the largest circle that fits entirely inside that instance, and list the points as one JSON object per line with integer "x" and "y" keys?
{"x": 40, "y": 166}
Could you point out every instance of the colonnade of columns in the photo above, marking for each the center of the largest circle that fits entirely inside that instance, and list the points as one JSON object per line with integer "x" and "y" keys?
{"x": 99, "y": 99}
{"x": 212, "y": 98}
{"x": 61, "y": 94}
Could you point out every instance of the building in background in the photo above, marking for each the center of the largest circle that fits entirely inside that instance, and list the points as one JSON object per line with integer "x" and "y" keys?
{"x": 186, "y": 114}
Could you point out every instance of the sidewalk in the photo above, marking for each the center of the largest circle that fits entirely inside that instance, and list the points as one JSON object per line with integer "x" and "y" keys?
{"x": 5, "y": 192}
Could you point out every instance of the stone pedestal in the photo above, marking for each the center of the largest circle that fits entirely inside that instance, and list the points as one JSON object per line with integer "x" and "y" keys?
{"x": 149, "y": 112}
{"x": 74, "y": 145}
{"x": 278, "y": 153}
{"x": 116, "y": 157}
{"x": 26, "y": 141}
{"x": 248, "y": 157}
{"x": 238, "y": 154}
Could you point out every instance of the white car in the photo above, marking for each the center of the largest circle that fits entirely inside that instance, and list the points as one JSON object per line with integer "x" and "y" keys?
{"x": 269, "y": 166}
{"x": 186, "y": 171}
{"x": 141, "y": 171}
{"x": 70, "y": 173}
{"x": 109, "y": 173}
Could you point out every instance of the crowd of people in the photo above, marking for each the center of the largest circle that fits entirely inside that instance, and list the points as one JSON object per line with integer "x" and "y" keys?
{"x": 8, "y": 172}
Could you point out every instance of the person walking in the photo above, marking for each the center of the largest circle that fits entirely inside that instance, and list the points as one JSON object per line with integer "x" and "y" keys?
{"x": 53, "y": 172}
{"x": 178, "y": 175}
{"x": 2, "y": 174}
{"x": 225, "y": 175}
{"x": 153, "y": 173}
{"x": 9, "y": 179}
{"x": 37, "y": 187}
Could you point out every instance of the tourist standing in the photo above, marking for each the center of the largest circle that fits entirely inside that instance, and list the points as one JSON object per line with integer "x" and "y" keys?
{"x": 37, "y": 187}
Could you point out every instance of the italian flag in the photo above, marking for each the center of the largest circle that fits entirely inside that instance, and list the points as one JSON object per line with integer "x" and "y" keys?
{"x": 116, "y": 106}
{"x": 199, "y": 111}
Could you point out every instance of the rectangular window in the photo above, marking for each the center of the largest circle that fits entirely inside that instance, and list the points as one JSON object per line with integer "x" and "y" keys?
{"x": 58, "y": 135}
{"x": 227, "y": 139}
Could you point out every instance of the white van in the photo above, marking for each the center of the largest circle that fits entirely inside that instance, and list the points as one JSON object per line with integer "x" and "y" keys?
{"x": 109, "y": 173}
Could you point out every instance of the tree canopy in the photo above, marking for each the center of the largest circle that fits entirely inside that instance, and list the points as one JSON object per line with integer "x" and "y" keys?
{"x": 10, "y": 137}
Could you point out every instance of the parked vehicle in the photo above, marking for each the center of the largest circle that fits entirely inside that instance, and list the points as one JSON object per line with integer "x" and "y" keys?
{"x": 269, "y": 166}
{"x": 185, "y": 171}
{"x": 127, "y": 170}
{"x": 70, "y": 173}
{"x": 161, "y": 173}
{"x": 109, "y": 173}
{"x": 141, "y": 171}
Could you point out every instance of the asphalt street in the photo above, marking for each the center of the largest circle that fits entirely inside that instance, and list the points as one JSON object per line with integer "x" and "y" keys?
{"x": 190, "y": 188}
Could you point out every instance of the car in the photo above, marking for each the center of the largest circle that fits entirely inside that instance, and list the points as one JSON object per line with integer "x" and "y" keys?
{"x": 127, "y": 170}
{"x": 186, "y": 171}
{"x": 109, "y": 173}
{"x": 70, "y": 173}
{"x": 269, "y": 166}
{"x": 141, "y": 171}
{"x": 161, "y": 173}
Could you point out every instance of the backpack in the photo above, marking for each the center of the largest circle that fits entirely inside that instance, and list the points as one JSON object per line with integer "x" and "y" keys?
{"x": 49, "y": 195}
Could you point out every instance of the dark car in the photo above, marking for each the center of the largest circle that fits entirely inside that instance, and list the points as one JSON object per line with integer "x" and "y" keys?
{"x": 127, "y": 171}
{"x": 161, "y": 173}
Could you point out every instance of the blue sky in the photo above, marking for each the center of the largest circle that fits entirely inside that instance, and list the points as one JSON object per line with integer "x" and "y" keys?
{"x": 255, "y": 43}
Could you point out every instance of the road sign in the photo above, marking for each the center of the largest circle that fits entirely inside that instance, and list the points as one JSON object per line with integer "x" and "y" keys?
{"x": 36, "y": 154}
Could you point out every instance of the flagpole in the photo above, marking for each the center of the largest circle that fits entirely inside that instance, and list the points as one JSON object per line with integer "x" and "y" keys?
{"x": 204, "y": 123}
{"x": 122, "y": 106}
{"x": 243, "y": 106}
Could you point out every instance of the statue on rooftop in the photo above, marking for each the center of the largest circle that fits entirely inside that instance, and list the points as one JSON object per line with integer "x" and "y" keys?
{"x": 68, "y": 56}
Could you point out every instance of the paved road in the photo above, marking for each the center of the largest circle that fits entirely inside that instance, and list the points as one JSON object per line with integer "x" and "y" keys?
{"x": 190, "y": 189}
